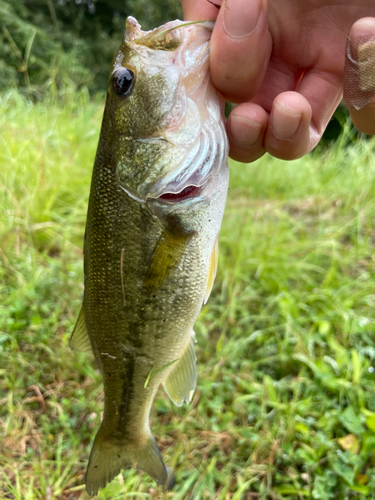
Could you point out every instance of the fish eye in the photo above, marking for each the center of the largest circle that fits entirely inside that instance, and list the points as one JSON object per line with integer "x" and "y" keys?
{"x": 123, "y": 81}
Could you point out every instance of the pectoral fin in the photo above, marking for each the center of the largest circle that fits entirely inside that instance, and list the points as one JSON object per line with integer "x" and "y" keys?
{"x": 212, "y": 270}
{"x": 181, "y": 381}
{"x": 79, "y": 341}
{"x": 166, "y": 256}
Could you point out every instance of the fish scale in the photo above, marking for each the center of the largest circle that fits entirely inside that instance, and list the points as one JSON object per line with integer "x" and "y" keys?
{"x": 149, "y": 262}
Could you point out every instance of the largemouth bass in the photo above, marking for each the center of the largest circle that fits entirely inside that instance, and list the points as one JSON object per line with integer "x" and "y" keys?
{"x": 158, "y": 192}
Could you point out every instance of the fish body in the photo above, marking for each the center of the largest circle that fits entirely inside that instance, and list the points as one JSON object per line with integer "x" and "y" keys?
{"x": 156, "y": 203}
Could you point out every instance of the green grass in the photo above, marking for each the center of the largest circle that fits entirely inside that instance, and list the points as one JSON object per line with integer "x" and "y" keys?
{"x": 285, "y": 405}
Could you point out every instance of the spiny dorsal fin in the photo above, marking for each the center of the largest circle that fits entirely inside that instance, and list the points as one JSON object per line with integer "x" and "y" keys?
{"x": 212, "y": 270}
{"x": 79, "y": 341}
{"x": 181, "y": 381}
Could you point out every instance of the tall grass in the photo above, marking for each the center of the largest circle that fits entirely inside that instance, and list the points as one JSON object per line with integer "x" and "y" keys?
{"x": 285, "y": 405}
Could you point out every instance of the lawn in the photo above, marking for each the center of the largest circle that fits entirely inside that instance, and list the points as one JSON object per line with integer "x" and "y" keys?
{"x": 284, "y": 407}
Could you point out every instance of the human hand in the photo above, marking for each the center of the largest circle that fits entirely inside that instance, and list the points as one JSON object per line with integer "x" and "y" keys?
{"x": 283, "y": 63}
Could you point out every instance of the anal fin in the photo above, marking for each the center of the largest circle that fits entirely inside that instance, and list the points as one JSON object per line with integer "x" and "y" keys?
{"x": 212, "y": 270}
{"x": 181, "y": 381}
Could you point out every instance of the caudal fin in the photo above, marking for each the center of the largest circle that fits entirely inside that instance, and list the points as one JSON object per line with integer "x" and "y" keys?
{"x": 108, "y": 457}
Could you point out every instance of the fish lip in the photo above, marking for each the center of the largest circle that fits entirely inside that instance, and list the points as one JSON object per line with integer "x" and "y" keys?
{"x": 168, "y": 36}
{"x": 135, "y": 32}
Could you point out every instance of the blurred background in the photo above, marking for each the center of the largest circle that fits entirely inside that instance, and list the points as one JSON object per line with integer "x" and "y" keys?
{"x": 285, "y": 403}
{"x": 57, "y": 46}
{"x": 47, "y": 45}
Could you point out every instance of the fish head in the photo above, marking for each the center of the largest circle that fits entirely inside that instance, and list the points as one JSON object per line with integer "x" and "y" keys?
{"x": 169, "y": 144}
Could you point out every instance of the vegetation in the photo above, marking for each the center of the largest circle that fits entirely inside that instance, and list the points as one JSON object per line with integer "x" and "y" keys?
{"x": 285, "y": 405}
{"x": 53, "y": 44}
{"x": 49, "y": 47}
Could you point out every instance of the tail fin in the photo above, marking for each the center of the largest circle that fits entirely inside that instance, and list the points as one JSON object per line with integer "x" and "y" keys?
{"x": 108, "y": 457}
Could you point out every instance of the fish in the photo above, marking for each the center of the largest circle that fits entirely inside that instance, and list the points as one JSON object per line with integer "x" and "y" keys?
{"x": 157, "y": 198}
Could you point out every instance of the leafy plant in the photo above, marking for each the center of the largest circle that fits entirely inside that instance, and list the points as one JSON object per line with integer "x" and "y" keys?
{"x": 285, "y": 405}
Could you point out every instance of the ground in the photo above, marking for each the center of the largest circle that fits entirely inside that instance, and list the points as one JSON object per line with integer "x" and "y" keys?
{"x": 284, "y": 407}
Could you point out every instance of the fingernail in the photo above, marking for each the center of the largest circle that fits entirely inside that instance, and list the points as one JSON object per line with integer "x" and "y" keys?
{"x": 363, "y": 27}
{"x": 244, "y": 132}
{"x": 285, "y": 122}
{"x": 241, "y": 16}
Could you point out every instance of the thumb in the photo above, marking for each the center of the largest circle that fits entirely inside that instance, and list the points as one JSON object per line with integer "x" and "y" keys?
{"x": 240, "y": 49}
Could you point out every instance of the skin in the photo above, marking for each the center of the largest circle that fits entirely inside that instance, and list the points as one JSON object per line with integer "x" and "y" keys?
{"x": 282, "y": 62}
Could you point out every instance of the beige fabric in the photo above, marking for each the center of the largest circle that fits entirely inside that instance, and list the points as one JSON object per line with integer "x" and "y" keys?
{"x": 359, "y": 75}
{"x": 366, "y": 64}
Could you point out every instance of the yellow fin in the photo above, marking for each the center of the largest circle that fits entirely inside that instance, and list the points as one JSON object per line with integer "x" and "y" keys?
{"x": 212, "y": 268}
{"x": 181, "y": 381}
{"x": 166, "y": 256}
{"x": 79, "y": 341}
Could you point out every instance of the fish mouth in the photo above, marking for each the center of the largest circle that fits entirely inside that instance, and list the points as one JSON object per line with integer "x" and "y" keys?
{"x": 166, "y": 37}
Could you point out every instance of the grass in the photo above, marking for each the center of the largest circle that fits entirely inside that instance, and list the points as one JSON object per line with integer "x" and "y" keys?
{"x": 285, "y": 405}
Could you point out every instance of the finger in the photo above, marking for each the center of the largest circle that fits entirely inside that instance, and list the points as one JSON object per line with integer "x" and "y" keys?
{"x": 288, "y": 133}
{"x": 279, "y": 78}
{"x": 197, "y": 10}
{"x": 249, "y": 119}
{"x": 364, "y": 119}
{"x": 246, "y": 126}
{"x": 298, "y": 122}
{"x": 240, "y": 48}
{"x": 359, "y": 76}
